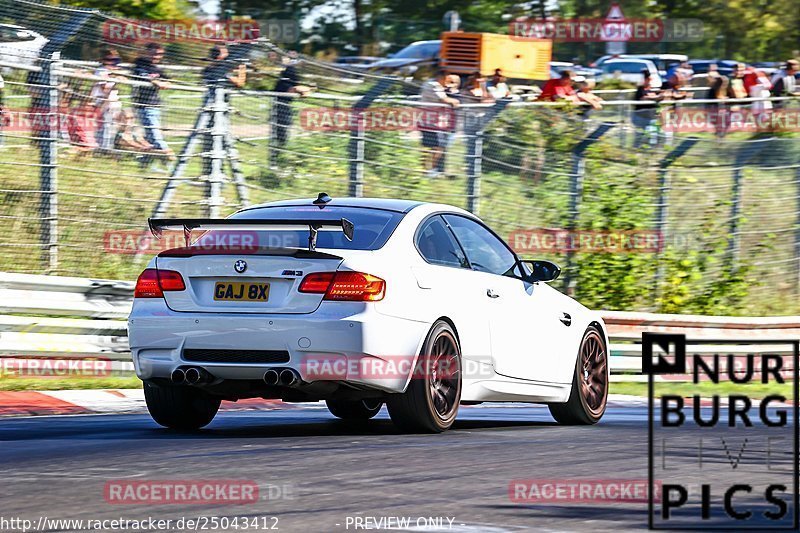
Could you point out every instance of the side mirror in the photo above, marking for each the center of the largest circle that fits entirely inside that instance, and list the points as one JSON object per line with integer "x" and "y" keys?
{"x": 535, "y": 271}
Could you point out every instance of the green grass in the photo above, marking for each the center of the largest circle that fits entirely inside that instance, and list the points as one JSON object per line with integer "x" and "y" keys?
{"x": 68, "y": 383}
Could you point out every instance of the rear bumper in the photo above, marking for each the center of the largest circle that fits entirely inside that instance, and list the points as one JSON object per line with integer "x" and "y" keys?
{"x": 330, "y": 344}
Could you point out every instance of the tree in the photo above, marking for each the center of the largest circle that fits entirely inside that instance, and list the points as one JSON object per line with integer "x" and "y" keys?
{"x": 142, "y": 9}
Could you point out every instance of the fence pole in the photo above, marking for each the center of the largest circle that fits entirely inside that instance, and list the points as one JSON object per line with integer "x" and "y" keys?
{"x": 48, "y": 155}
{"x": 662, "y": 206}
{"x": 797, "y": 224}
{"x": 576, "y": 193}
{"x": 356, "y": 187}
{"x": 474, "y": 129}
{"x": 474, "y": 168}
{"x": 217, "y": 177}
{"x": 356, "y": 148}
{"x": 750, "y": 149}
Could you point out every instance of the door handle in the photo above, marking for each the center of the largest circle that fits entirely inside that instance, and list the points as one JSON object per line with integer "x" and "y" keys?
{"x": 491, "y": 294}
{"x": 566, "y": 319}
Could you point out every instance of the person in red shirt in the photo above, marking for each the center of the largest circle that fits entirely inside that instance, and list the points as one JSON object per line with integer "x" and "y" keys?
{"x": 559, "y": 89}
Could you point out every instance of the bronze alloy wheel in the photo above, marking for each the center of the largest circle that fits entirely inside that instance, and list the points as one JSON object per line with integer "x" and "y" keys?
{"x": 444, "y": 375}
{"x": 589, "y": 394}
{"x": 594, "y": 373}
{"x": 431, "y": 399}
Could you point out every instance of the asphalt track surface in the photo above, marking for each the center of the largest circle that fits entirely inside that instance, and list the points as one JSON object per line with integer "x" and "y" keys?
{"x": 58, "y": 467}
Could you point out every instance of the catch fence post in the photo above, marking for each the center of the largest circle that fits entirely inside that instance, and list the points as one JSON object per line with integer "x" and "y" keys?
{"x": 216, "y": 178}
{"x": 576, "y": 194}
{"x": 48, "y": 155}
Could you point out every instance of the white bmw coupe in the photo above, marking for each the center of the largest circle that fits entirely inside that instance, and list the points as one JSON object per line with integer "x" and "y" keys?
{"x": 359, "y": 302}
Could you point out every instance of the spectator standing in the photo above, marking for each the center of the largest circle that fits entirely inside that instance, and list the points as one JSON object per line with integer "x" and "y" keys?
{"x": 476, "y": 91}
{"x": 435, "y": 121}
{"x": 219, "y": 73}
{"x": 758, "y": 86}
{"x": 281, "y": 114}
{"x": 452, "y": 86}
{"x": 784, "y": 82}
{"x": 644, "y": 114}
{"x": 106, "y": 99}
{"x": 147, "y": 99}
{"x": 499, "y": 86}
{"x": 586, "y": 95}
{"x": 736, "y": 88}
{"x": 559, "y": 88}
{"x": 718, "y": 112}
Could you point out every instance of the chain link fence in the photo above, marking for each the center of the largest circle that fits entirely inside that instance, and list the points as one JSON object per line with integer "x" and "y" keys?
{"x": 641, "y": 218}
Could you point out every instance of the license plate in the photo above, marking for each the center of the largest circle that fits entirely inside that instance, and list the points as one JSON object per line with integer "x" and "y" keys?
{"x": 241, "y": 291}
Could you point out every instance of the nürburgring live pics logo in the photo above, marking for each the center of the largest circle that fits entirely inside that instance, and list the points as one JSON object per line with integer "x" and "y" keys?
{"x": 727, "y": 457}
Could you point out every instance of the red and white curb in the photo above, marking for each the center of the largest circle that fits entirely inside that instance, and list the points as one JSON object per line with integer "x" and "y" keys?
{"x": 112, "y": 401}
{"x": 117, "y": 401}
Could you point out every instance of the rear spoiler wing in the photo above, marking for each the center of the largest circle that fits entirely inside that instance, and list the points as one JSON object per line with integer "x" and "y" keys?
{"x": 158, "y": 225}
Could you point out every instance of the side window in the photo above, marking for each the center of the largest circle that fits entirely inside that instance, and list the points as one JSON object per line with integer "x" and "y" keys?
{"x": 437, "y": 245}
{"x": 484, "y": 250}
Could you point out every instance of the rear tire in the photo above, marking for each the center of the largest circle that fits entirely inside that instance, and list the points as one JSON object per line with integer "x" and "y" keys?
{"x": 185, "y": 408}
{"x": 587, "y": 401}
{"x": 430, "y": 403}
{"x": 354, "y": 409}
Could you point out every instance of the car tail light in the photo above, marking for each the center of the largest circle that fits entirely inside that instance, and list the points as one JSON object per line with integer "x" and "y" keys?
{"x": 345, "y": 286}
{"x": 153, "y": 282}
{"x": 317, "y": 283}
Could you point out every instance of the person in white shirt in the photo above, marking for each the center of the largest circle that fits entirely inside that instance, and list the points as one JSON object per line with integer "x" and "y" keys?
{"x": 784, "y": 82}
{"x": 435, "y": 121}
{"x": 105, "y": 96}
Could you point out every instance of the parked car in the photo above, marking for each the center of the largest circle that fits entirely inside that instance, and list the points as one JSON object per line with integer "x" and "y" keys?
{"x": 20, "y": 45}
{"x": 724, "y": 66}
{"x": 367, "y": 301}
{"x": 663, "y": 62}
{"x": 407, "y": 60}
{"x": 557, "y": 67}
{"x": 630, "y": 70}
{"x": 355, "y": 60}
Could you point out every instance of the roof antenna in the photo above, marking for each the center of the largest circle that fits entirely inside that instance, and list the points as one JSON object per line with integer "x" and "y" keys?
{"x": 322, "y": 200}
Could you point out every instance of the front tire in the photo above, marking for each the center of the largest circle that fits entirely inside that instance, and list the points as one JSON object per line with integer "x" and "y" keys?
{"x": 354, "y": 409}
{"x": 587, "y": 401}
{"x": 430, "y": 403}
{"x": 185, "y": 408}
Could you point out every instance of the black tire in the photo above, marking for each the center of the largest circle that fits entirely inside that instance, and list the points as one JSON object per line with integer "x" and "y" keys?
{"x": 183, "y": 408}
{"x": 354, "y": 409}
{"x": 430, "y": 403}
{"x": 587, "y": 401}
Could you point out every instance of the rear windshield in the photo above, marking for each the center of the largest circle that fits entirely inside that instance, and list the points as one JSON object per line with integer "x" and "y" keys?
{"x": 373, "y": 227}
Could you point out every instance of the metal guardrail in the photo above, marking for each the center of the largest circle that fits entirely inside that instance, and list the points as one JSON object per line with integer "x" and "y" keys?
{"x": 103, "y": 305}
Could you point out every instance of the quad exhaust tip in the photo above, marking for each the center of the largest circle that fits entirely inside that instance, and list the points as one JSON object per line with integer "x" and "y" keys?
{"x": 178, "y": 376}
{"x": 286, "y": 377}
{"x": 193, "y": 376}
{"x": 190, "y": 376}
{"x": 289, "y": 377}
{"x": 271, "y": 377}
